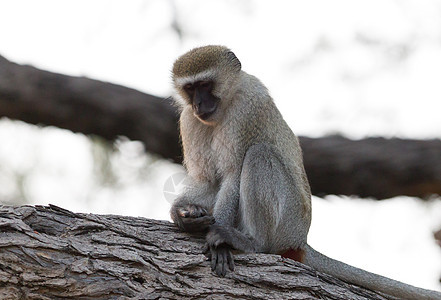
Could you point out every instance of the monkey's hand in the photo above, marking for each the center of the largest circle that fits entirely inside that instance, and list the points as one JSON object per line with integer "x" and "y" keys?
{"x": 219, "y": 251}
{"x": 191, "y": 218}
{"x": 221, "y": 259}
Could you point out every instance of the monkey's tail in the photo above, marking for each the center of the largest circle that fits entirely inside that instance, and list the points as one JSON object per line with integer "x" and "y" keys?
{"x": 372, "y": 281}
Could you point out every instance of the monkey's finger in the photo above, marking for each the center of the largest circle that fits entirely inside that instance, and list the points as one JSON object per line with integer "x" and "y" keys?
{"x": 193, "y": 211}
{"x": 230, "y": 260}
{"x": 204, "y": 220}
{"x": 182, "y": 212}
{"x": 206, "y": 250}
{"x": 197, "y": 211}
{"x": 178, "y": 222}
{"x": 213, "y": 259}
{"x": 197, "y": 224}
{"x": 221, "y": 263}
{"x": 226, "y": 263}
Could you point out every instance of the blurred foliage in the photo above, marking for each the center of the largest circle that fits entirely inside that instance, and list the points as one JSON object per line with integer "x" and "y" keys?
{"x": 38, "y": 163}
{"x": 119, "y": 163}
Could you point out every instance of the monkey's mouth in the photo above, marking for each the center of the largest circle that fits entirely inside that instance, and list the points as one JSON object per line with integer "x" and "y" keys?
{"x": 206, "y": 109}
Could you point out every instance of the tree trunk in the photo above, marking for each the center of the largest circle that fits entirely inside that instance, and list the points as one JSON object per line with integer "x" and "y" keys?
{"x": 52, "y": 253}
{"x": 374, "y": 167}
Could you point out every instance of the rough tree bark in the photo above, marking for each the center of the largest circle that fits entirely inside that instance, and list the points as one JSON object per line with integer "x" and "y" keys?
{"x": 52, "y": 253}
{"x": 373, "y": 167}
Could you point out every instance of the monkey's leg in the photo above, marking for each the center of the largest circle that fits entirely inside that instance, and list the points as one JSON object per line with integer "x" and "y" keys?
{"x": 268, "y": 213}
{"x": 191, "y": 211}
{"x": 271, "y": 204}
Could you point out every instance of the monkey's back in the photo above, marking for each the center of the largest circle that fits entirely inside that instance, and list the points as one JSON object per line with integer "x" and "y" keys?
{"x": 260, "y": 122}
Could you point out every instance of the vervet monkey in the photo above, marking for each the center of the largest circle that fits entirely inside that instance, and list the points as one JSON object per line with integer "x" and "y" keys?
{"x": 249, "y": 188}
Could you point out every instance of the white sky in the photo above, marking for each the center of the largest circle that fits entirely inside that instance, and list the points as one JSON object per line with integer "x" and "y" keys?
{"x": 361, "y": 68}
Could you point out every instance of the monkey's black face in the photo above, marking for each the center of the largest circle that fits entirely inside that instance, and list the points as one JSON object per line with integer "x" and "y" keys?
{"x": 202, "y": 100}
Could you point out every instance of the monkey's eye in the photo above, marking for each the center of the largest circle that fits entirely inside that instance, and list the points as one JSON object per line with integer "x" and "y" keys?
{"x": 206, "y": 84}
{"x": 189, "y": 88}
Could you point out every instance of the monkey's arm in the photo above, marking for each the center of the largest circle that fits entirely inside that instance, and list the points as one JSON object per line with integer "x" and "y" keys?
{"x": 220, "y": 241}
{"x": 191, "y": 211}
{"x": 227, "y": 201}
{"x": 222, "y": 237}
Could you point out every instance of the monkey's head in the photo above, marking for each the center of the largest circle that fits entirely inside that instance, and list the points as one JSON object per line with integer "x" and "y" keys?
{"x": 204, "y": 79}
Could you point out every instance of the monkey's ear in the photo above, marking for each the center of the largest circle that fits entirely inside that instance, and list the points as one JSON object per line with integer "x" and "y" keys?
{"x": 234, "y": 61}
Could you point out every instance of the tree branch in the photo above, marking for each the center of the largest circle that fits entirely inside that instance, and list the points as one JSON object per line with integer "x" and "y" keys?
{"x": 50, "y": 252}
{"x": 374, "y": 167}
{"x": 88, "y": 106}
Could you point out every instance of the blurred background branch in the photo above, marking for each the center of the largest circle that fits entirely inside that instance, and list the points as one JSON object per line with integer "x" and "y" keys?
{"x": 371, "y": 167}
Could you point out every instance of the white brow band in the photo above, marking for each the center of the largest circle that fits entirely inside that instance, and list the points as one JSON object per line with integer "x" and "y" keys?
{"x": 207, "y": 74}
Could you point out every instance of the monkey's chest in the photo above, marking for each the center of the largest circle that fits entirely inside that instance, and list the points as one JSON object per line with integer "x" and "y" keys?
{"x": 213, "y": 158}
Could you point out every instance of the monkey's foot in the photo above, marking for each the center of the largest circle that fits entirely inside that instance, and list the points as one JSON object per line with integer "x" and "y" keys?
{"x": 191, "y": 211}
{"x": 191, "y": 218}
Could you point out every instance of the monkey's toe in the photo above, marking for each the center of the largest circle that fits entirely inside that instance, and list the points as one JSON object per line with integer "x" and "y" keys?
{"x": 197, "y": 224}
{"x": 192, "y": 211}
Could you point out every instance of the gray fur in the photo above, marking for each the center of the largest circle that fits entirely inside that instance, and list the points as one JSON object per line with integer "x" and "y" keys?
{"x": 247, "y": 172}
